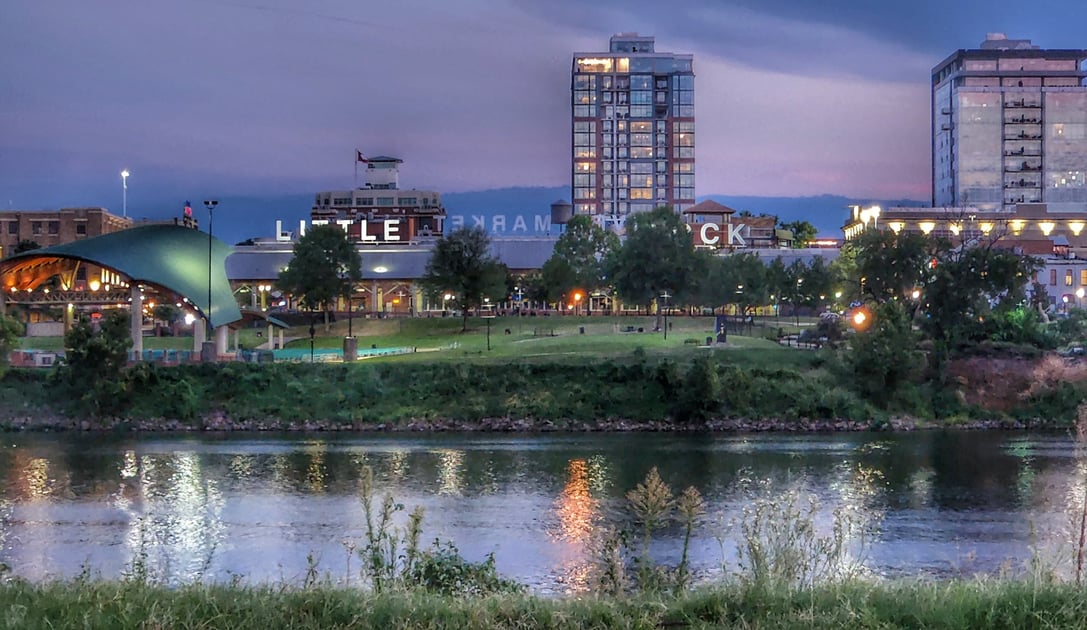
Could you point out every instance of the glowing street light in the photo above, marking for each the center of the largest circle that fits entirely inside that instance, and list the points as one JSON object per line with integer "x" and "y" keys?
{"x": 124, "y": 193}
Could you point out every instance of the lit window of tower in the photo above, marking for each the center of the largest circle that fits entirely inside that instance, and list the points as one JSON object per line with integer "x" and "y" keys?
{"x": 633, "y": 130}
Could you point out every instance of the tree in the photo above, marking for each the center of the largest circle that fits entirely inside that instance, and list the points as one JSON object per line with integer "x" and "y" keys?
{"x": 95, "y": 357}
{"x": 463, "y": 267}
{"x": 658, "y": 256}
{"x": 740, "y": 279}
{"x": 965, "y": 286}
{"x": 818, "y": 282}
{"x": 325, "y": 266}
{"x": 803, "y": 233}
{"x": 884, "y": 357}
{"x": 890, "y": 266}
{"x": 26, "y": 245}
{"x": 166, "y": 313}
{"x": 10, "y": 330}
{"x": 578, "y": 259}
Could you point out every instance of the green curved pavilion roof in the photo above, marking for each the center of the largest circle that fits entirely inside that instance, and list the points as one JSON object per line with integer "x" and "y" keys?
{"x": 170, "y": 256}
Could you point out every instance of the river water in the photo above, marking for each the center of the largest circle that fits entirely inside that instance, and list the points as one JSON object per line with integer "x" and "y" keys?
{"x": 264, "y": 508}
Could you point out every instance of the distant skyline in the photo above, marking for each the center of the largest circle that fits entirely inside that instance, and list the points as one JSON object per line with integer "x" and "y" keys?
{"x": 205, "y": 98}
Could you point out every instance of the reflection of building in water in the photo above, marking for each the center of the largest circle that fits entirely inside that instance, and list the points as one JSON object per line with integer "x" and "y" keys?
{"x": 315, "y": 469}
{"x": 398, "y": 464}
{"x": 576, "y": 508}
{"x": 450, "y": 471}
{"x": 180, "y": 524}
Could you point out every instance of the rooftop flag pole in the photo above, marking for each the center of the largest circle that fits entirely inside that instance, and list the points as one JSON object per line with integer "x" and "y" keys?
{"x": 359, "y": 157}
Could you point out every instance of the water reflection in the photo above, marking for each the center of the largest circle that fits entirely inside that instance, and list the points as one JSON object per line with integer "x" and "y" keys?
{"x": 576, "y": 509}
{"x": 215, "y": 506}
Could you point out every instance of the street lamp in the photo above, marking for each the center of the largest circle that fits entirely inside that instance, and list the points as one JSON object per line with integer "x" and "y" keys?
{"x": 665, "y": 296}
{"x": 124, "y": 193}
{"x": 210, "y": 205}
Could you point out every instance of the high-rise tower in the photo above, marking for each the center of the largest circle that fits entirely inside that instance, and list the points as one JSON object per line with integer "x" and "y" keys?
{"x": 633, "y": 130}
{"x": 1009, "y": 126}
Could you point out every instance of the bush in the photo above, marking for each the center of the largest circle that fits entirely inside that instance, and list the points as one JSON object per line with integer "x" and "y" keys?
{"x": 443, "y": 570}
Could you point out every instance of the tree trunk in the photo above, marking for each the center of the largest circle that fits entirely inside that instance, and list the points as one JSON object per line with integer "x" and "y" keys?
{"x": 464, "y": 321}
{"x": 328, "y": 324}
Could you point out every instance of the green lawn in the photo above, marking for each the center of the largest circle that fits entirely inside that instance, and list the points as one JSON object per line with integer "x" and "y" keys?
{"x": 528, "y": 338}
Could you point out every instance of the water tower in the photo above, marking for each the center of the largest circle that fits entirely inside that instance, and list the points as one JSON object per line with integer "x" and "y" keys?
{"x": 561, "y": 213}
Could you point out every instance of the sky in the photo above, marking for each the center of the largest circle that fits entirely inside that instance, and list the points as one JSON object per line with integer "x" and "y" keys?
{"x": 200, "y": 98}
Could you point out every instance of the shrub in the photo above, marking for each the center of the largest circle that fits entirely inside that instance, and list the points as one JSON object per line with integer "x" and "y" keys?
{"x": 443, "y": 570}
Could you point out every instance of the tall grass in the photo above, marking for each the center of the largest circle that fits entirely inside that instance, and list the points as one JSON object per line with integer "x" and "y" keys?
{"x": 793, "y": 574}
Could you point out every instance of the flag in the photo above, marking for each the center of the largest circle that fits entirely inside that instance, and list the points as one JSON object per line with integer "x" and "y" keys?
{"x": 359, "y": 157}
{"x": 188, "y": 209}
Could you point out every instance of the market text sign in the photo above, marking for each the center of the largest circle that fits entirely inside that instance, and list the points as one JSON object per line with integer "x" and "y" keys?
{"x": 716, "y": 235}
{"x": 383, "y": 231}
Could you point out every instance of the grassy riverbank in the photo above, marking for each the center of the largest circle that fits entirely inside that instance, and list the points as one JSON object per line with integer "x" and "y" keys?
{"x": 545, "y": 373}
{"x": 964, "y": 604}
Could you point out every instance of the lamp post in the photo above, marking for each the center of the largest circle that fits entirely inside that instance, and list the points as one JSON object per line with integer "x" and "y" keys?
{"x": 210, "y": 205}
{"x": 665, "y": 297}
{"x": 124, "y": 193}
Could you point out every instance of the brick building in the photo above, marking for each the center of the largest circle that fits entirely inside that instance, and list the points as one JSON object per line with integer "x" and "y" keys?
{"x": 55, "y": 227}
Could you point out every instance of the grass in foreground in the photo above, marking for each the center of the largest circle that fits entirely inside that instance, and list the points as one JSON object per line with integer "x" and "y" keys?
{"x": 967, "y": 604}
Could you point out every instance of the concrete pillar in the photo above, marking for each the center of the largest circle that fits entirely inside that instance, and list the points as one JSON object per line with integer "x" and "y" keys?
{"x": 416, "y": 300}
{"x": 222, "y": 337}
{"x": 379, "y": 301}
{"x": 271, "y": 339}
{"x": 350, "y": 348}
{"x": 198, "y": 334}
{"x": 375, "y": 308}
{"x": 136, "y": 320}
{"x": 280, "y": 338}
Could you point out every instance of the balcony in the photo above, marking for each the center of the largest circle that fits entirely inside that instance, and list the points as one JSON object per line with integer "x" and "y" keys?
{"x": 1023, "y": 183}
{"x": 1022, "y": 104}
{"x": 1025, "y": 167}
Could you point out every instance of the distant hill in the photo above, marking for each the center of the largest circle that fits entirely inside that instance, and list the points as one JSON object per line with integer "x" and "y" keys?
{"x": 524, "y": 211}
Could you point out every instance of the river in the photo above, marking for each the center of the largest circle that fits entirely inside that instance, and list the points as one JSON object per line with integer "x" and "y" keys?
{"x": 262, "y": 508}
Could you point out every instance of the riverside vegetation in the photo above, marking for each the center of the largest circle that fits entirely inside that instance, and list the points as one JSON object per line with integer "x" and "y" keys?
{"x": 564, "y": 379}
{"x": 790, "y": 572}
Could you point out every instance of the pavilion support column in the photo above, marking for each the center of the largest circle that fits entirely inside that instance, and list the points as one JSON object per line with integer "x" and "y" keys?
{"x": 222, "y": 337}
{"x": 136, "y": 320}
{"x": 416, "y": 300}
{"x": 280, "y": 338}
{"x": 198, "y": 335}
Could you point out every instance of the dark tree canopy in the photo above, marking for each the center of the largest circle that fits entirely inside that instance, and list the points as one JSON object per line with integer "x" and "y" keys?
{"x": 657, "y": 256}
{"x": 803, "y": 233}
{"x": 325, "y": 266}
{"x": 579, "y": 258}
{"x": 463, "y": 267}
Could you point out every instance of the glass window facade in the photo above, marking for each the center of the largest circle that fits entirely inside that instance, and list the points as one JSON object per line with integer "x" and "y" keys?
{"x": 1009, "y": 126}
{"x": 633, "y": 117}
